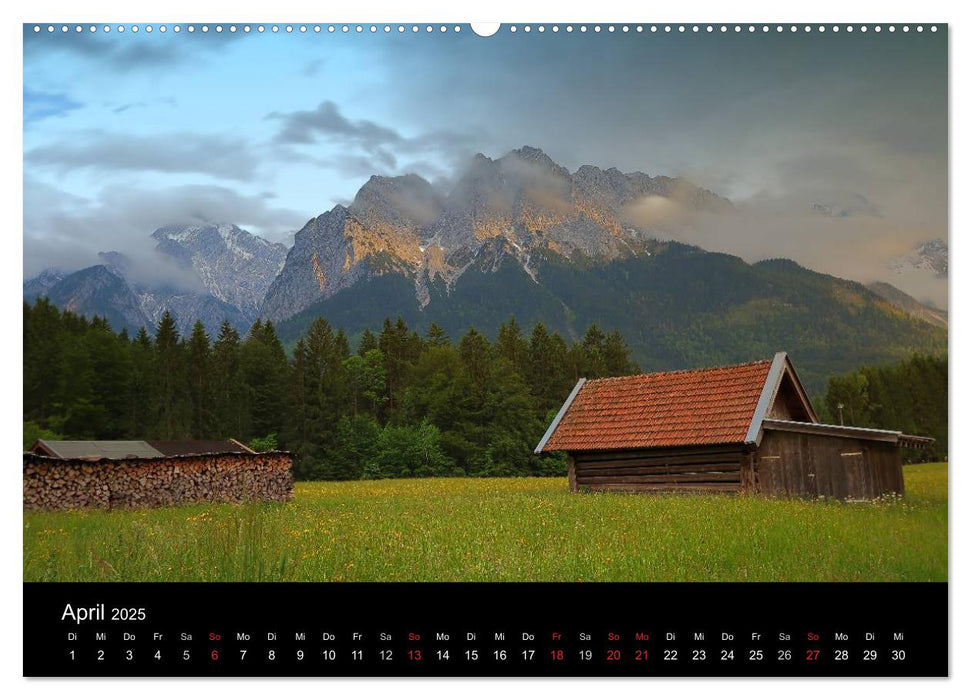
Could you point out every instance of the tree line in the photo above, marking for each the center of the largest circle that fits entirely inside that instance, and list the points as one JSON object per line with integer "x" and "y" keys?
{"x": 909, "y": 396}
{"x": 399, "y": 404}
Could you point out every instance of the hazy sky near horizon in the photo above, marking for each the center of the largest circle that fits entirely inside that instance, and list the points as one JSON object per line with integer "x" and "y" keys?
{"x": 124, "y": 133}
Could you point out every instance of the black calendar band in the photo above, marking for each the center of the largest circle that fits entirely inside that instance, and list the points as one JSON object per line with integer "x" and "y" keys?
{"x": 486, "y": 629}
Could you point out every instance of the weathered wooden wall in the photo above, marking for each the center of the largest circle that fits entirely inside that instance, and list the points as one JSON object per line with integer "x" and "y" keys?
{"x": 59, "y": 484}
{"x": 793, "y": 464}
{"x": 680, "y": 470}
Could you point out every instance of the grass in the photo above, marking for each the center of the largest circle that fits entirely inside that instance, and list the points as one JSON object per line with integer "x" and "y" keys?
{"x": 501, "y": 530}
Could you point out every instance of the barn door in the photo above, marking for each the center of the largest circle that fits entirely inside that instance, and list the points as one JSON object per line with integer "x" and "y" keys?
{"x": 852, "y": 483}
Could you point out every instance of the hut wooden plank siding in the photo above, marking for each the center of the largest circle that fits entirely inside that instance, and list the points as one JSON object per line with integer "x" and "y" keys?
{"x": 746, "y": 428}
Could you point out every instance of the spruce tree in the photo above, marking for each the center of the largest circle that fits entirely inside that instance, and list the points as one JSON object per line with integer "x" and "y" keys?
{"x": 170, "y": 419}
{"x": 549, "y": 376}
{"x": 200, "y": 382}
{"x": 397, "y": 348}
{"x": 474, "y": 350}
{"x": 140, "y": 392}
{"x": 511, "y": 345}
{"x": 368, "y": 342}
{"x": 436, "y": 337}
{"x": 616, "y": 356}
{"x": 45, "y": 338}
{"x": 264, "y": 369}
{"x": 592, "y": 362}
{"x": 299, "y": 429}
{"x": 230, "y": 404}
{"x": 109, "y": 359}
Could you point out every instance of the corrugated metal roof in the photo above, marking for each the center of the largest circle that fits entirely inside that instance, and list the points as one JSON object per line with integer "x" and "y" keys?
{"x": 197, "y": 447}
{"x": 852, "y": 431}
{"x": 831, "y": 430}
{"x": 119, "y": 449}
{"x": 111, "y": 449}
{"x": 666, "y": 409}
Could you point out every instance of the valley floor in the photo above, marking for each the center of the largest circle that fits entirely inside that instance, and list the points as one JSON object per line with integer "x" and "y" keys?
{"x": 501, "y": 530}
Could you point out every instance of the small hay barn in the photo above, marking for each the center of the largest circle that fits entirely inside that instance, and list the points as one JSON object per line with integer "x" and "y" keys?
{"x": 746, "y": 428}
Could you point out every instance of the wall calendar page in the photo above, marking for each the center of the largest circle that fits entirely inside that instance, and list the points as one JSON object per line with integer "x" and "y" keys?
{"x": 517, "y": 350}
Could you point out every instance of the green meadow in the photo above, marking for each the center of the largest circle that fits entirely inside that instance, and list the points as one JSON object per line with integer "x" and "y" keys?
{"x": 509, "y": 529}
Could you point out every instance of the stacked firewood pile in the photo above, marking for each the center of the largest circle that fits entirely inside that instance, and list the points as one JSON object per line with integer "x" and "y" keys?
{"x": 60, "y": 484}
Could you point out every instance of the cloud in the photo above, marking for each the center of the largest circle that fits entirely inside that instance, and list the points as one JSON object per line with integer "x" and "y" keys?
{"x": 370, "y": 147}
{"x": 125, "y": 53}
{"x": 41, "y": 105}
{"x": 357, "y": 166}
{"x": 858, "y": 247}
{"x": 125, "y": 107}
{"x": 834, "y": 149}
{"x": 65, "y": 231}
{"x": 207, "y": 154}
{"x": 305, "y": 126}
{"x": 312, "y": 68}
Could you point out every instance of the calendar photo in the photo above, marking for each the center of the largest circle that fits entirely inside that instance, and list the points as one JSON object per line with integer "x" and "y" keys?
{"x": 425, "y": 304}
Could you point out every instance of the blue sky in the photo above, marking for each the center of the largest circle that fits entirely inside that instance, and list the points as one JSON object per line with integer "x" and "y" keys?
{"x": 127, "y": 132}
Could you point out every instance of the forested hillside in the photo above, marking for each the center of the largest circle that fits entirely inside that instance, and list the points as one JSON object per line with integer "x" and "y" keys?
{"x": 677, "y": 307}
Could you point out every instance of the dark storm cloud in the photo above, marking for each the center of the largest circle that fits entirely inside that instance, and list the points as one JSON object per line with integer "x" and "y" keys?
{"x": 207, "y": 154}
{"x": 65, "y": 231}
{"x": 41, "y": 105}
{"x": 680, "y": 104}
{"x": 834, "y": 147}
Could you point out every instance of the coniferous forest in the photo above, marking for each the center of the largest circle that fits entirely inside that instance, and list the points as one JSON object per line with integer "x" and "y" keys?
{"x": 395, "y": 403}
{"x": 392, "y": 403}
{"x": 910, "y": 396}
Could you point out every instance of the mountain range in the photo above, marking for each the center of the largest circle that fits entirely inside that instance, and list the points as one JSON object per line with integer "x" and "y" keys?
{"x": 516, "y": 235}
{"x": 211, "y": 272}
{"x": 520, "y": 206}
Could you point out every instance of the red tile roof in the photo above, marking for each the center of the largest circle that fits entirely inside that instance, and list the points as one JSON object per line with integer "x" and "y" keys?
{"x": 666, "y": 409}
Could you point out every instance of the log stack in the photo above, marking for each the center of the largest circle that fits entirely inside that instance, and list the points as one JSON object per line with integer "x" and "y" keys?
{"x": 62, "y": 484}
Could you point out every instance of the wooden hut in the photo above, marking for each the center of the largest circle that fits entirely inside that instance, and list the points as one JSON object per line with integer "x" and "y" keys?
{"x": 746, "y": 428}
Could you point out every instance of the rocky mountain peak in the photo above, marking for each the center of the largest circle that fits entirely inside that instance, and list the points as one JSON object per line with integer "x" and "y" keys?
{"x": 930, "y": 255}
{"x": 529, "y": 154}
{"x": 233, "y": 265}
{"x": 212, "y": 272}
{"x": 40, "y": 285}
{"x": 407, "y": 199}
{"x": 522, "y": 205}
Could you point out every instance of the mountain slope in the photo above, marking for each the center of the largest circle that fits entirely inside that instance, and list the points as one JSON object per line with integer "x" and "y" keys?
{"x": 97, "y": 291}
{"x": 678, "y": 307}
{"x": 233, "y": 265}
{"x": 906, "y": 303}
{"x": 41, "y": 284}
